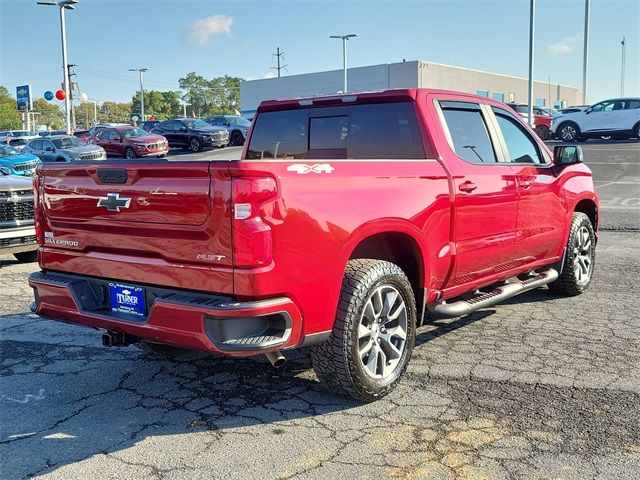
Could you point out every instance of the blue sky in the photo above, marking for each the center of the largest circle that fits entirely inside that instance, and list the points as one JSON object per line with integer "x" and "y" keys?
{"x": 172, "y": 38}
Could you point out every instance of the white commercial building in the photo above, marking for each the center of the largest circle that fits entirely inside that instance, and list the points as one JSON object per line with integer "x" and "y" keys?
{"x": 414, "y": 74}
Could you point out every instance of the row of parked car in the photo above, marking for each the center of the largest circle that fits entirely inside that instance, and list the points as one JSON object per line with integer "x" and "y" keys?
{"x": 617, "y": 118}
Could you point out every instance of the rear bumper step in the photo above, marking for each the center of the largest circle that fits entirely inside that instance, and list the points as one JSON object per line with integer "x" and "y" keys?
{"x": 192, "y": 320}
{"x": 463, "y": 307}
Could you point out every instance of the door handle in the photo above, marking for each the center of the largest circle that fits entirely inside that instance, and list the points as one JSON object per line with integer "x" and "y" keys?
{"x": 526, "y": 184}
{"x": 467, "y": 187}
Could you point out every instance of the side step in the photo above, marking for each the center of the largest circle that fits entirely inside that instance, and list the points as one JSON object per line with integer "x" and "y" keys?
{"x": 482, "y": 300}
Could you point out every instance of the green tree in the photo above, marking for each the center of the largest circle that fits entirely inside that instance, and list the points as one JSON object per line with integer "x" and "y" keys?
{"x": 197, "y": 93}
{"x": 114, "y": 112}
{"x": 50, "y": 114}
{"x": 161, "y": 105}
{"x": 226, "y": 94}
{"x": 9, "y": 115}
{"x": 84, "y": 115}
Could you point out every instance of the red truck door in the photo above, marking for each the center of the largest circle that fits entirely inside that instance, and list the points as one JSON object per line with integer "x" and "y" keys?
{"x": 485, "y": 192}
{"x": 541, "y": 213}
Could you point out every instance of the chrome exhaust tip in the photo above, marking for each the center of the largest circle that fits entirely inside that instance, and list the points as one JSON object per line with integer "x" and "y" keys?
{"x": 276, "y": 359}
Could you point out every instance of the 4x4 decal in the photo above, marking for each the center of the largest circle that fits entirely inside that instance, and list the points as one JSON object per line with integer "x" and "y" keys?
{"x": 302, "y": 168}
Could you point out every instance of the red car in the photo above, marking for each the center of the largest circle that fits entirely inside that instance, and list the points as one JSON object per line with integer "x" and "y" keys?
{"x": 131, "y": 142}
{"x": 541, "y": 119}
{"x": 349, "y": 221}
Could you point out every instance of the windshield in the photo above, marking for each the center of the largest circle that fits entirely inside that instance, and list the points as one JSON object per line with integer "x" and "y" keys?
{"x": 6, "y": 151}
{"x": 238, "y": 121}
{"x": 22, "y": 133}
{"x": 134, "y": 133}
{"x": 68, "y": 142}
{"x": 197, "y": 124}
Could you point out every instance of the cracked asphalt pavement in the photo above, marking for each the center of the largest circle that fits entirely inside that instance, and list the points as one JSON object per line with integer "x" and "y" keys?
{"x": 538, "y": 387}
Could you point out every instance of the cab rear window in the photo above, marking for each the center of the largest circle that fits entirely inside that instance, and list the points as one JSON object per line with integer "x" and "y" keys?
{"x": 367, "y": 131}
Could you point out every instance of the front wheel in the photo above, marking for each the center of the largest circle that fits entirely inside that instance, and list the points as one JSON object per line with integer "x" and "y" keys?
{"x": 579, "y": 258}
{"x": 569, "y": 132}
{"x": 373, "y": 334}
{"x": 129, "y": 153}
{"x": 195, "y": 145}
{"x": 236, "y": 139}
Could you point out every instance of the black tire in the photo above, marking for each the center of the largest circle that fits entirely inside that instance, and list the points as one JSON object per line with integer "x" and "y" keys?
{"x": 159, "y": 349}
{"x": 568, "y": 132}
{"x": 574, "y": 280}
{"x": 636, "y": 131}
{"x": 195, "y": 145}
{"x": 542, "y": 131}
{"x": 236, "y": 139}
{"x": 26, "y": 257}
{"x": 130, "y": 153}
{"x": 337, "y": 361}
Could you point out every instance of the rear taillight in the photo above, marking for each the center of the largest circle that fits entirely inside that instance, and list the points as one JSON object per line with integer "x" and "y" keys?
{"x": 252, "y": 243}
{"x": 36, "y": 211}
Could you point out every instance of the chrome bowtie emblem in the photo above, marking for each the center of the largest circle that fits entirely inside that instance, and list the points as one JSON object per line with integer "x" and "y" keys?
{"x": 113, "y": 202}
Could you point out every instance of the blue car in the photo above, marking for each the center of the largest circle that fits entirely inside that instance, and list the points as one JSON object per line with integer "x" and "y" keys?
{"x": 16, "y": 162}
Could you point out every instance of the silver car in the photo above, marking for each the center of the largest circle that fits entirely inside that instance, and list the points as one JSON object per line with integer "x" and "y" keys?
{"x": 17, "y": 231}
{"x": 64, "y": 148}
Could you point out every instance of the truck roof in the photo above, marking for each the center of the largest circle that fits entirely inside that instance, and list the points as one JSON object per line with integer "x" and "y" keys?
{"x": 371, "y": 96}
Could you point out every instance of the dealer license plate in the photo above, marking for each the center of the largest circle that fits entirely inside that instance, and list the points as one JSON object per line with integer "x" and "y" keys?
{"x": 127, "y": 299}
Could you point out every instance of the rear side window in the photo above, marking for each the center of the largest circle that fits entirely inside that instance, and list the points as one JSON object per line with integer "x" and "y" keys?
{"x": 469, "y": 135}
{"x": 368, "y": 131}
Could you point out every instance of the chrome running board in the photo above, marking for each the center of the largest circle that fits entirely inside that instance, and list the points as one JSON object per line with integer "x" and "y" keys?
{"x": 510, "y": 289}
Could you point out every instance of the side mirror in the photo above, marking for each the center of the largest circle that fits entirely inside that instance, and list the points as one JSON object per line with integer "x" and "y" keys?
{"x": 588, "y": 110}
{"x": 48, "y": 149}
{"x": 227, "y": 124}
{"x": 567, "y": 155}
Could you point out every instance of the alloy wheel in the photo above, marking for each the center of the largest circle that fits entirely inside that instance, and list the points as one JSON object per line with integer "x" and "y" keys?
{"x": 382, "y": 332}
{"x": 568, "y": 133}
{"x": 583, "y": 256}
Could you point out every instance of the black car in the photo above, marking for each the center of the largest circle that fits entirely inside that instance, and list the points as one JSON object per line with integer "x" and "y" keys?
{"x": 192, "y": 133}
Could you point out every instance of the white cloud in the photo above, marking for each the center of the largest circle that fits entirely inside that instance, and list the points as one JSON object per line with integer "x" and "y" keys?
{"x": 201, "y": 31}
{"x": 564, "y": 46}
{"x": 269, "y": 74}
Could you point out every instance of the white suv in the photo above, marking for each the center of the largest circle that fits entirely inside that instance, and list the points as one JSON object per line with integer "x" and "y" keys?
{"x": 618, "y": 118}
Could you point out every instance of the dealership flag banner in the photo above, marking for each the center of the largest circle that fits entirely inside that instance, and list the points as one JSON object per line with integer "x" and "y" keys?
{"x": 23, "y": 97}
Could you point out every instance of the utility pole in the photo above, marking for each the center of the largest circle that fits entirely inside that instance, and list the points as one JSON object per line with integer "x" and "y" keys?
{"x": 585, "y": 52}
{"x": 623, "y": 44}
{"x": 279, "y": 54}
{"x": 532, "y": 21}
{"x": 72, "y": 86}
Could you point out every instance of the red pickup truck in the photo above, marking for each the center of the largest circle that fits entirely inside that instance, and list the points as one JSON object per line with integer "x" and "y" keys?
{"x": 349, "y": 221}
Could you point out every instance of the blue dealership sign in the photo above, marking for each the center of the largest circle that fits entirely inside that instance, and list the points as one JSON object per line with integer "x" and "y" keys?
{"x": 23, "y": 97}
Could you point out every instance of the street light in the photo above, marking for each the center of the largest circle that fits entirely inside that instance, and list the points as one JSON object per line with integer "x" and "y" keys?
{"x": 64, "y": 5}
{"x": 141, "y": 70}
{"x": 344, "y": 54}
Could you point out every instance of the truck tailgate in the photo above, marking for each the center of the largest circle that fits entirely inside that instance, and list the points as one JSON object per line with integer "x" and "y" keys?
{"x": 154, "y": 222}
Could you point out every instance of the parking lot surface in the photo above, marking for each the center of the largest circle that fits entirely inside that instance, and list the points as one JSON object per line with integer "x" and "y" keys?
{"x": 537, "y": 387}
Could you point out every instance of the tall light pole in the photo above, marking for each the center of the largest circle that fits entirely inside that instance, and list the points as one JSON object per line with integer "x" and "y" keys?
{"x": 532, "y": 21}
{"x": 585, "y": 52}
{"x": 344, "y": 55}
{"x": 95, "y": 111}
{"x": 64, "y": 5}
{"x": 623, "y": 44}
{"x": 141, "y": 70}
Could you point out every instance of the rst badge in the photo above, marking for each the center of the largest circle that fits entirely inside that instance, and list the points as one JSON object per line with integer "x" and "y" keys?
{"x": 113, "y": 202}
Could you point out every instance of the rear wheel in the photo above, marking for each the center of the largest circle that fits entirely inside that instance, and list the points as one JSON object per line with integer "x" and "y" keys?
{"x": 129, "y": 153}
{"x": 195, "y": 145}
{"x": 542, "y": 131}
{"x": 579, "y": 258}
{"x": 373, "y": 334}
{"x": 26, "y": 257}
{"x": 236, "y": 139}
{"x": 569, "y": 132}
{"x": 636, "y": 131}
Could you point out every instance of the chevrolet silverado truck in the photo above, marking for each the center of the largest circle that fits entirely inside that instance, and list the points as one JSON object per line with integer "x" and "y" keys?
{"x": 348, "y": 222}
